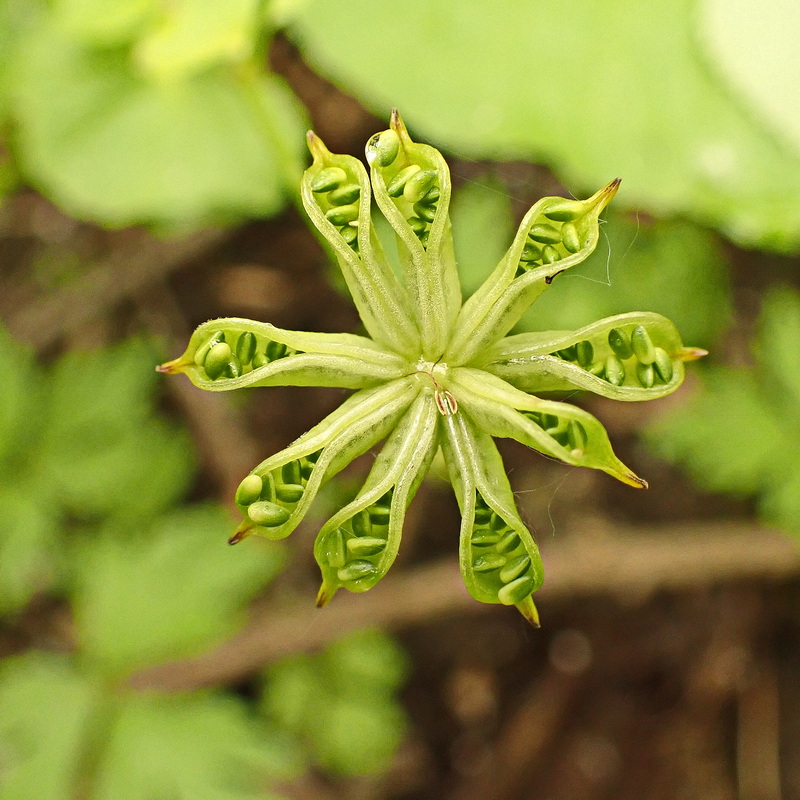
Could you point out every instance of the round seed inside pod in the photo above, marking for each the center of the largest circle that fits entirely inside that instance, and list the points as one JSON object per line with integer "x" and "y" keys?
{"x": 379, "y": 514}
{"x": 234, "y": 367}
{"x": 289, "y": 492}
{"x": 514, "y": 568}
{"x": 260, "y": 360}
{"x": 432, "y": 196}
{"x": 361, "y": 524}
{"x": 349, "y": 233}
{"x": 249, "y": 490}
{"x": 620, "y": 343}
{"x": 425, "y": 212}
{"x": 549, "y": 254}
{"x": 290, "y": 472}
{"x": 382, "y": 149}
{"x": 482, "y": 515}
{"x": 570, "y": 238}
{"x": 417, "y": 225}
{"x": 663, "y": 365}
{"x": 365, "y": 546}
{"x": 614, "y": 371}
{"x": 546, "y": 234}
{"x": 398, "y": 183}
{"x": 345, "y": 194}
{"x": 530, "y": 252}
{"x": 516, "y": 591}
{"x": 576, "y": 438}
{"x": 268, "y": 514}
{"x": 217, "y": 360}
{"x": 275, "y": 350}
{"x": 509, "y": 542}
{"x": 584, "y": 352}
{"x": 335, "y": 553}
{"x": 341, "y": 215}
{"x": 497, "y": 523}
{"x": 485, "y": 539}
{"x": 355, "y": 570}
{"x": 246, "y": 347}
{"x": 418, "y": 185}
{"x": 562, "y": 209}
{"x": 327, "y": 179}
{"x": 488, "y": 562}
{"x": 642, "y": 345}
{"x": 646, "y": 375}
{"x": 202, "y": 351}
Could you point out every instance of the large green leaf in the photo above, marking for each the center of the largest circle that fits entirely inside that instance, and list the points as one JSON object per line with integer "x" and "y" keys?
{"x": 597, "y": 89}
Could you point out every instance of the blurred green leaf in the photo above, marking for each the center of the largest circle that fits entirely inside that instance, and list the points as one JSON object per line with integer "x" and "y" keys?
{"x": 595, "y": 89}
{"x": 103, "y": 22}
{"x": 367, "y": 658}
{"x": 171, "y": 593}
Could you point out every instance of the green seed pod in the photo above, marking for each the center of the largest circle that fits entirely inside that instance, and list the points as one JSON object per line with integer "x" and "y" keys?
{"x": 642, "y": 345}
{"x": 289, "y": 492}
{"x": 620, "y": 343}
{"x": 576, "y": 436}
{"x": 663, "y": 365}
{"x": 382, "y": 149}
{"x": 425, "y": 212}
{"x": 361, "y": 523}
{"x": 484, "y": 539}
{"x": 417, "y": 225}
{"x": 516, "y": 591}
{"x": 365, "y": 546}
{"x": 546, "y": 234}
{"x": 482, "y": 515}
{"x": 514, "y": 568}
{"x": 530, "y": 252}
{"x": 584, "y": 352}
{"x": 290, "y": 472}
{"x": 646, "y": 375}
{"x": 562, "y": 209}
{"x": 341, "y": 215}
{"x": 379, "y": 514}
{"x": 249, "y": 490}
{"x": 217, "y": 360}
{"x": 549, "y": 254}
{"x": 614, "y": 371}
{"x": 268, "y": 514}
{"x": 418, "y": 185}
{"x": 570, "y": 238}
{"x": 349, "y": 234}
{"x": 355, "y": 570}
{"x": 202, "y": 351}
{"x": 327, "y": 179}
{"x": 335, "y": 552}
{"x": 509, "y": 542}
{"x": 398, "y": 183}
{"x": 344, "y": 195}
{"x": 246, "y": 347}
{"x": 488, "y": 562}
{"x": 275, "y": 350}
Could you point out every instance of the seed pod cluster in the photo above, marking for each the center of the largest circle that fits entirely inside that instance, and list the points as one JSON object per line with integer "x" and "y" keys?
{"x": 413, "y": 187}
{"x": 229, "y": 354}
{"x": 569, "y": 433}
{"x": 354, "y": 549}
{"x": 338, "y": 195}
{"x": 498, "y": 557}
{"x": 268, "y": 500}
{"x": 555, "y": 234}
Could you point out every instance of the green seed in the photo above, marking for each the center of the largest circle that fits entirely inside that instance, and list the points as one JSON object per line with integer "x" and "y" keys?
{"x": 355, "y": 570}
{"x": 530, "y": 252}
{"x": 289, "y": 492}
{"x": 344, "y": 195}
{"x": 568, "y": 353}
{"x": 432, "y": 196}
{"x": 327, "y": 179}
{"x": 549, "y": 254}
{"x": 379, "y": 514}
{"x": 362, "y": 526}
{"x": 275, "y": 350}
{"x": 202, "y": 351}
{"x": 382, "y": 148}
{"x": 509, "y": 542}
{"x": 614, "y": 371}
{"x": 619, "y": 343}
{"x": 233, "y": 367}
{"x": 576, "y": 436}
{"x": 514, "y": 568}
{"x": 425, "y": 212}
{"x": 597, "y": 368}
{"x": 249, "y": 490}
{"x": 584, "y": 352}
{"x": 335, "y": 553}
{"x": 563, "y": 209}
{"x": 484, "y": 539}
{"x": 546, "y": 234}
{"x": 570, "y": 238}
{"x": 417, "y": 225}
{"x": 646, "y": 375}
{"x": 549, "y": 421}
{"x": 663, "y": 365}
{"x": 398, "y": 183}
{"x": 306, "y": 469}
{"x": 365, "y": 546}
{"x": 263, "y": 512}
{"x": 217, "y": 360}
{"x": 260, "y": 360}
{"x": 482, "y": 515}
{"x": 642, "y": 345}
{"x": 349, "y": 233}
{"x": 290, "y": 472}
{"x": 341, "y": 215}
{"x": 314, "y": 457}
{"x": 268, "y": 490}
{"x": 418, "y": 185}
{"x": 488, "y": 562}
{"x": 516, "y": 591}
{"x": 246, "y": 347}
{"x": 497, "y": 523}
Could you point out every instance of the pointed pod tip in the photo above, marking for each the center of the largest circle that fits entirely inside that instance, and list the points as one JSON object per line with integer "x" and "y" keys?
{"x": 599, "y": 200}
{"x": 692, "y": 353}
{"x": 316, "y": 146}
{"x": 325, "y": 595}
{"x": 172, "y": 367}
{"x": 242, "y": 532}
{"x": 528, "y": 610}
{"x": 398, "y": 126}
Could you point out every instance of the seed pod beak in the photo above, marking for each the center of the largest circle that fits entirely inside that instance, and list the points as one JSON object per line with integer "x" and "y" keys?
{"x": 242, "y": 532}
{"x": 399, "y": 127}
{"x": 317, "y": 147}
{"x": 692, "y": 353}
{"x": 601, "y": 199}
{"x": 173, "y": 367}
{"x": 325, "y": 594}
{"x": 528, "y": 610}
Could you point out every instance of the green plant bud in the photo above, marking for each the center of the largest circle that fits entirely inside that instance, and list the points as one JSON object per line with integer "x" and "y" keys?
{"x": 482, "y": 515}
{"x": 546, "y": 234}
{"x": 418, "y": 185}
{"x": 365, "y": 546}
{"x": 344, "y": 195}
{"x": 341, "y": 215}
{"x": 327, "y": 179}
{"x": 488, "y": 562}
{"x": 249, "y": 490}
{"x": 484, "y": 539}
{"x": 266, "y": 513}
{"x": 417, "y": 225}
{"x": 290, "y": 472}
{"x": 355, "y": 570}
{"x": 509, "y": 542}
{"x": 398, "y": 183}
{"x": 260, "y": 360}
{"x": 379, "y": 514}
{"x": 246, "y": 347}
{"x": 361, "y": 524}
{"x": 530, "y": 252}
{"x": 570, "y": 238}
{"x": 202, "y": 351}
{"x": 614, "y": 371}
{"x": 576, "y": 436}
{"x": 349, "y": 234}
{"x": 549, "y": 254}
{"x": 497, "y": 523}
{"x": 275, "y": 350}
{"x": 642, "y": 345}
{"x": 335, "y": 552}
{"x": 289, "y": 492}
{"x": 562, "y": 209}
{"x": 432, "y": 197}
{"x": 514, "y": 568}
{"x": 620, "y": 343}
{"x": 646, "y": 375}
{"x": 382, "y": 148}
{"x": 663, "y": 365}
{"x": 584, "y": 352}
{"x": 425, "y": 212}
{"x": 516, "y": 591}
{"x": 217, "y": 360}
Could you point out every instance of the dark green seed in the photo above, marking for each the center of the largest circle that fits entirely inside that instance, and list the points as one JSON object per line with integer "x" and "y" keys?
{"x": 516, "y": 591}
{"x": 345, "y": 195}
{"x": 563, "y": 209}
{"x": 646, "y": 375}
{"x": 289, "y": 492}
{"x": 349, "y": 233}
{"x": 546, "y": 234}
{"x": 597, "y": 368}
{"x": 365, "y": 546}
{"x": 234, "y": 367}
{"x": 497, "y": 523}
{"x": 568, "y": 353}
{"x": 484, "y": 539}
{"x": 398, "y": 183}
{"x": 549, "y": 254}
{"x": 417, "y": 225}
{"x": 246, "y": 347}
{"x": 335, "y": 553}
{"x": 432, "y": 196}
{"x": 275, "y": 350}
{"x": 576, "y": 436}
{"x": 482, "y": 515}
{"x": 522, "y": 269}
{"x": 584, "y": 352}
{"x": 382, "y": 148}
{"x": 306, "y": 469}
{"x": 327, "y": 179}
{"x": 488, "y": 562}
{"x": 620, "y": 343}
{"x": 202, "y": 351}
{"x": 263, "y": 512}
{"x": 418, "y": 185}
{"x": 509, "y": 542}
{"x": 379, "y": 514}
{"x": 314, "y": 457}
{"x": 217, "y": 360}
{"x": 260, "y": 360}
{"x": 514, "y": 568}
{"x": 550, "y": 421}
{"x": 642, "y": 345}
{"x": 268, "y": 490}
{"x": 362, "y": 526}
{"x": 615, "y": 371}
{"x": 425, "y": 212}
{"x": 570, "y": 238}
{"x": 530, "y": 252}
{"x": 355, "y": 570}
{"x": 249, "y": 490}
{"x": 290, "y": 472}
{"x": 663, "y": 365}
{"x": 341, "y": 215}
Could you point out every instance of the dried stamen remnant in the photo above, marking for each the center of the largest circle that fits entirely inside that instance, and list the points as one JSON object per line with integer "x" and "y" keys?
{"x": 338, "y": 195}
{"x": 230, "y": 353}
